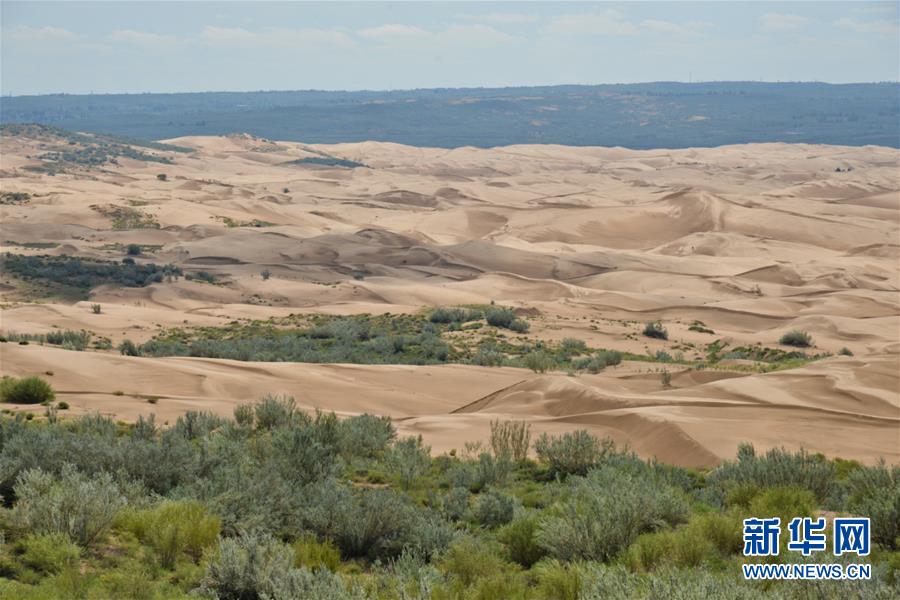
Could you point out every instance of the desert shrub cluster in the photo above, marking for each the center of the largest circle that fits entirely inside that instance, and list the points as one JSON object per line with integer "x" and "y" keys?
{"x": 78, "y": 275}
{"x": 278, "y": 502}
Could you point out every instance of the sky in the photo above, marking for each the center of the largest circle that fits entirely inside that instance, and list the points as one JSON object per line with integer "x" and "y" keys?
{"x": 113, "y": 47}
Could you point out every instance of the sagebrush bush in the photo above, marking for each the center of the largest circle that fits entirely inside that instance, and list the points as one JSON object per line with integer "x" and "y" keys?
{"x": 572, "y": 453}
{"x": 538, "y": 361}
{"x": 81, "y": 507}
{"x": 366, "y": 436}
{"x": 874, "y": 492}
{"x": 408, "y": 459}
{"x": 27, "y": 390}
{"x": 255, "y": 565}
{"x": 274, "y": 411}
{"x": 476, "y": 475}
{"x": 511, "y": 438}
{"x": 454, "y": 315}
{"x": 800, "y": 339}
{"x": 494, "y": 508}
{"x": 606, "y": 511}
{"x": 602, "y": 583}
{"x": 488, "y": 357}
{"x": 778, "y": 467}
{"x": 455, "y": 503}
{"x": 382, "y": 523}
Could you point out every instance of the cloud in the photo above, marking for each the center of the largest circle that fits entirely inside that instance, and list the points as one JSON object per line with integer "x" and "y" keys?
{"x": 393, "y": 31}
{"x": 476, "y": 34}
{"x": 501, "y": 18}
{"x": 689, "y": 28}
{"x": 272, "y": 36}
{"x": 883, "y": 27}
{"x": 142, "y": 38}
{"x": 605, "y": 22}
{"x": 23, "y": 33}
{"x": 782, "y": 22}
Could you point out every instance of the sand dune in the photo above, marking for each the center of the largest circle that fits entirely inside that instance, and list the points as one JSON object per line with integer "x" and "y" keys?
{"x": 751, "y": 240}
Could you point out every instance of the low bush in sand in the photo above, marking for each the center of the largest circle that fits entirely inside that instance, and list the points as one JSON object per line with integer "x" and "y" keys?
{"x": 27, "y": 390}
{"x": 800, "y": 339}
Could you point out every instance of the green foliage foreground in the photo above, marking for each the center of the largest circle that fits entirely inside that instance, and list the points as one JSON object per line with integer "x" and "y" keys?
{"x": 277, "y": 504}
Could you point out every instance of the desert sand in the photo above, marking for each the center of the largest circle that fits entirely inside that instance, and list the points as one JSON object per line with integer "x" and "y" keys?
{"x": 590, "y": 243}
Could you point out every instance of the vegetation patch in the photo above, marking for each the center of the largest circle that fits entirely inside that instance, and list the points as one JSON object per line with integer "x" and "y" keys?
{"x": 229, "y": 222}
{"x": 75, "y": 277}
{"x": 9, "y": 198}
{"x": 68, "y": 149}
{"x": 325, "y": 161}
{"x": 280, "y": 503}
{"x": 125, "y": 217}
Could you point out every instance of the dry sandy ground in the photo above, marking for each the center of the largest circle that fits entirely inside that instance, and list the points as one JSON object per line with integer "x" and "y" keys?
{"x": 753, "y": 240}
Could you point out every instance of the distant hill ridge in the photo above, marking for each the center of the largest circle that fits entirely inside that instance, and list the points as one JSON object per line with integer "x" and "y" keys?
{"x": 640, "y": 116}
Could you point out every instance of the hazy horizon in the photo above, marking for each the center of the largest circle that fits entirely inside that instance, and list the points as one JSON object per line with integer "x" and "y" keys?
{"x": 194, "y": 47}
{"x": 463, "y": 87}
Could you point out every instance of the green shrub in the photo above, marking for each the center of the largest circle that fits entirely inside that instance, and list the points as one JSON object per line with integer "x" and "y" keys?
{"x": 654, "y": 329}
{"x": 49, "y": 552}
{"x": 255, "y": 565}
{"x": 494, "y": 508}
{"x": 723, "y": 530}
{"x": 874, "y": 492}
{"x": 366, "y": 436}
{"x": 469, "y": 559}
{"x": 244, "y": 415}
{"x": 455, "y": 503}
{"x": 520, "y": 539}
{"x": 598, "y": 362}
{"x": 559, "y": 581}
{"x": 511, "y": 438}
{"x": 73, "y": 504}
{"x": 572, "y": 347}
{"x": 538, "y": 361}
{"x": 453, "y": 315}
{"x": 129, "y": 348}
{"x": 274, "y": 411}
{"x": 605, "y": 513}
{"x": 786, "y": 502}
{"x": 28, "y": 390}
{"x": 572, "y": 453}
{"x": 683, "y": 547}
{"x": 408, "y": 459}
{"x": 845, "y": 351}
{"x": 173, "y": 529}
{"x": 133, "y": 250}
{"x": 500, "y": 317}
{"x": 96, "y": 309}
{"x": 382, "y": 523}
{"x": 519, "y": 326}
{"x": 313, "y": 554}
{"x": 800, "y": 339}
{"x": 778, "y": 467}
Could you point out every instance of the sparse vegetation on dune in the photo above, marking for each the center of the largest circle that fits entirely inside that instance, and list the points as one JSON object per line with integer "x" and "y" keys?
{"x": 282, "y": 503}
{"x": 75, "y": 276}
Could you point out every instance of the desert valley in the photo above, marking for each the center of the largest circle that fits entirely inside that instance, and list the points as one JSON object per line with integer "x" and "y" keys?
{"x": 450, "y": 288}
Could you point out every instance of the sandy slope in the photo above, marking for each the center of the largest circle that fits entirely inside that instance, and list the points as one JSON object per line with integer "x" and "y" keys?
{"x": 753, "y": 240}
